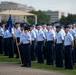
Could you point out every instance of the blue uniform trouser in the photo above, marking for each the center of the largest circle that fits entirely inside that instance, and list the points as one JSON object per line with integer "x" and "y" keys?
{"x": 44, "y": 50}
{"x": 54, "y": 52}
{"x": 33, "y": 54}
{"x": 49, "y": 53}
{"x": 26, "y": 55}
{"x": 75, "y": 53}
{"x": 1, "y": 45}
{"x": 59, "y": 55}
{"x": 68, "y": 57}
{"x": 40, "y": 55}
{"x": 16, "y": 51}
{"x": 21, "y": 52}
{"x": 6, "y": 46}
{"x": 11, "y": 47}
{"x": 36, "y": 49}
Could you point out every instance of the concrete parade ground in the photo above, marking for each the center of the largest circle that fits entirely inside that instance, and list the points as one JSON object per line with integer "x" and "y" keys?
{"x": 13, "y": 69}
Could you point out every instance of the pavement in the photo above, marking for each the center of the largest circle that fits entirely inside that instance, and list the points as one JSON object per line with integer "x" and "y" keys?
{"x": 12, "y": 69}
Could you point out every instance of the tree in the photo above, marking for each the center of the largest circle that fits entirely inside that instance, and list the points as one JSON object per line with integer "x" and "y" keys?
{"x": 70, "y": 18}
{"x": 41, "y": 17}
{"x": 63, "y": 20}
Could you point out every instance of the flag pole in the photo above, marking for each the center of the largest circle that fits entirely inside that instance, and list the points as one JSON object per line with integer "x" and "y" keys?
{"x": 19, "y": 53}
{"x": 17, "y": 45}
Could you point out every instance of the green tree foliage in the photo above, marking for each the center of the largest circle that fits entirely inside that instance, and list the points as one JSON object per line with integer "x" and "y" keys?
{"x": 70, "y": 18}
{"x": 63, "y": 20}
{"x": 41, "y": 17}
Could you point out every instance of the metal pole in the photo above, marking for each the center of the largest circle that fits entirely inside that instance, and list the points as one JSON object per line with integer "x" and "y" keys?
{"x": 25, "y": 18}
{"x": 35, "y": 19}
{"x": 0, "y": 18}
{"x": 19, "y": 53}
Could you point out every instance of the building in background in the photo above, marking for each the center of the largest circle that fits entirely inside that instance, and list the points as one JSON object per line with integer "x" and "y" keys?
{"x": 54, "y": 15}
{"x": 14, "y": 6}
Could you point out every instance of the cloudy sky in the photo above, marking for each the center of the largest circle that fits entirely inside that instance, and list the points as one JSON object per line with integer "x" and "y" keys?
{"x": 61, "y": 5}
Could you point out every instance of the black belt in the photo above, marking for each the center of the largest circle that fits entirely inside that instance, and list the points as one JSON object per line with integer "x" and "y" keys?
{"x": 27, "y": 44}
{"x": 6, "y": 38}
{"x": 59, "y": 44}
{"x": 39, "y": 41}
{"x": 50, "y": 41}
{"x": 68, "y": 46}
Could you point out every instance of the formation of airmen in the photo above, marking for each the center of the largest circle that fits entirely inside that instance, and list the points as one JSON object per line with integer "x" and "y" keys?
{"x": 52, "y": 42}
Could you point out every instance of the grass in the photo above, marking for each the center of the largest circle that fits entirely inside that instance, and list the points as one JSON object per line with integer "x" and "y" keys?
{"x": 40, "y": 66}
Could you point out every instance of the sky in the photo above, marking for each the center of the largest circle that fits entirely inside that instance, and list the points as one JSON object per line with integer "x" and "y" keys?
{"x": 68, "y": 6}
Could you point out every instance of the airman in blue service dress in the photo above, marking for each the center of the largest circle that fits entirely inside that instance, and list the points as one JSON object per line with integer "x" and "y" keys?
{"x": 40, "y": 44}
{"x": 26, "y": 40}
{"x": 33, "y": 40}
{"x": 50, "y": 40}
{"x": 6, "y": 40}
{"x": 68, "y": 43}
{"x": 44, "y": 30}
{"x": 17, "y": 37}
{"x": 22, "y": 25}
{"x": 1, "y": 39}
{"x": 59, "y": 47}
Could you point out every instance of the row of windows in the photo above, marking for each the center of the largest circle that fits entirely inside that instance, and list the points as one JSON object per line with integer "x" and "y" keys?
{"x": 9, "y": 9}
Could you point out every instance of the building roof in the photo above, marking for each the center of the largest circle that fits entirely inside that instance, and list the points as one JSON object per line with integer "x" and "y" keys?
{"x": 16, "y": 12}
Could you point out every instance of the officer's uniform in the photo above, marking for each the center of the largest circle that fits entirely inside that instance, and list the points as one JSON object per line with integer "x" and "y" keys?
{"x": 44, "y": 49}
{"x": 54, "y": 49}
{"x": 26, "y": 48}
{"x": 21, "y": 45}
{"x": 49, "y": 45}
{"x": 11, "y": 44}
{"x": 63, "y": 33}
{"x": 33, "y": 37}
{"x": 1, "y": 40}
{"x": 40, "y": 44}
{"x": 68, "y": 39}
{"x": 59, "y": 48}
{"x": 75, "y": 30}
{"x": 35, "y": 30}
{"x": 75, "y": 49}
{"x": 72, "y": 31}
{"x": 6, "y": 40}
{"x": 17, "y": 35}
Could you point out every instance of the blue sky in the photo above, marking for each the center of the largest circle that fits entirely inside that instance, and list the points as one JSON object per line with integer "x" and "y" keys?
{"x": 61, "y": 5}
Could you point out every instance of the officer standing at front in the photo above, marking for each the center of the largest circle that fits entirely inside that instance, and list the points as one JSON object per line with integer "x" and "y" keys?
{"x": 59, "y": 47}
{"x": 26, "y": 41}
{"x": 40, "y": 44}
{"x": 68, "y": 43}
